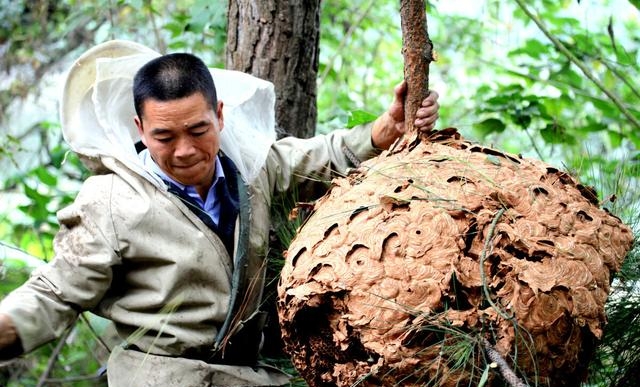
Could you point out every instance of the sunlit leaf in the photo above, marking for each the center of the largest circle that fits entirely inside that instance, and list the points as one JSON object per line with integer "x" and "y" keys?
{"x": 615, "y": 138}
{"x": 174, "y": 28}
{"x": 634, "y": 136}
{"x": 14, "y": 272}
{"x": 178, "y": 45}
{"x": 45, "y": 176}
{"x": 358, "y": 117}
{"x": 33, "y": 194}
{"x": 592, "y": 125}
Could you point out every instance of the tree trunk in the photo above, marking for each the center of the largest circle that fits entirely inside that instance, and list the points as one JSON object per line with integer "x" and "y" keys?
{"x": 278, "y": 40}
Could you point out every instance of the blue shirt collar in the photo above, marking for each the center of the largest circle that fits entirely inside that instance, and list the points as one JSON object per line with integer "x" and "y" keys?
{"x": 150, "y": 165}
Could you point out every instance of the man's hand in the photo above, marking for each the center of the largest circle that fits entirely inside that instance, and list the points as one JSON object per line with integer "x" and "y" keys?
{"x": 10, "y": 345}
{"x": 389, "y": 126}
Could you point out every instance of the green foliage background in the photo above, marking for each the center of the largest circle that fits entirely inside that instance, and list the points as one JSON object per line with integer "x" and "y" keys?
{"x": 502, "y": 82}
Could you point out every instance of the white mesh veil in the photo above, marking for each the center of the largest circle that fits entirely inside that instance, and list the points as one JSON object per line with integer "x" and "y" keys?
{"x": 97, "y": 109}
{"x": 249, "y": 119}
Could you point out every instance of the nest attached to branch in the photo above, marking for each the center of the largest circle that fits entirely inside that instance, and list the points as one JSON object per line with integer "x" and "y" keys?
{"x": 409, "y": 265}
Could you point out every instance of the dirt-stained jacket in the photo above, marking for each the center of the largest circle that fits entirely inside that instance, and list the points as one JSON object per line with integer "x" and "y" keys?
{"x": 134, "y": 253}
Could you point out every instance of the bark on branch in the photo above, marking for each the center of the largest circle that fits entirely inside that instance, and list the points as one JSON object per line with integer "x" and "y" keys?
{"x": 417, "y": 51}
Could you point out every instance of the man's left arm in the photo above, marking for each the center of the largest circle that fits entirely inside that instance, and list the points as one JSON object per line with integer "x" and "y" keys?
{"x": 293, "y": 160}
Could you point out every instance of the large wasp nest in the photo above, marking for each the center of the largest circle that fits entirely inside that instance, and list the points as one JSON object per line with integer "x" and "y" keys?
{"x": 410, "y": 270}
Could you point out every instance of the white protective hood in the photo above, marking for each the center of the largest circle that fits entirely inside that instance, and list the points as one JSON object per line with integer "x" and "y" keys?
{"x": 97, "y": 110}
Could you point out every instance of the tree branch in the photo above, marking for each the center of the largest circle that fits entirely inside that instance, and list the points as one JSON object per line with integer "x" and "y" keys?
{"x": 54, "y": 358}
{"x": 566, "y": 52}
{"x": 94, "y": 333}
{"x": 621, "y": 77}
{"x": 156, "y": 31}
{"x": 505, "y": 369}
{"x": 417, "y": 51}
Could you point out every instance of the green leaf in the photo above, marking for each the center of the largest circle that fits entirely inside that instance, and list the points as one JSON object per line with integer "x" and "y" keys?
{"x": 490, "y": 125}
{"x": 568, "y": 75}
{"x": 615, "y": 138}
{"x": 513, "y": 89}
{"x": 358, "y": 117}
{"x": 45, "y": 176}
{"x": 533, "y": 48}
{"x": 499, "y": 100}
{"x": 175, "y": 28}
{"x": 555, "y": 133}
{"x": 58, "y": 154}
{"x": 635, "y": 139}
{"x": 603, "y": 105}
{"x": 521, "y": 118}
{"x": 34, "y": 194}
{"x": 178, "y": 45}
{"x": 593, "y": 127}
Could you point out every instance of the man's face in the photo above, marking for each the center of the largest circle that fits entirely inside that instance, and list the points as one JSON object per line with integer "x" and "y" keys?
{"x": 183, "y": 138}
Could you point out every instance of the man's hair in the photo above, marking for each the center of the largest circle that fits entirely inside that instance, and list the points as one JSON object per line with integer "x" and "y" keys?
{"x": 171, "y": 77}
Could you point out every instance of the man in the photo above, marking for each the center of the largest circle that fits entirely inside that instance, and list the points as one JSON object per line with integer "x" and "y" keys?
{"x": 169, "y": 243}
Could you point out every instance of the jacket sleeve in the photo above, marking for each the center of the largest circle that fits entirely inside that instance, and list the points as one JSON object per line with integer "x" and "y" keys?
{"x": 76, "y": 279}
{"x": 292, "y": 160}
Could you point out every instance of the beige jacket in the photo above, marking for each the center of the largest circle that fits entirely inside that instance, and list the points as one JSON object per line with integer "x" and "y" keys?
{"x": 132, "y": 252}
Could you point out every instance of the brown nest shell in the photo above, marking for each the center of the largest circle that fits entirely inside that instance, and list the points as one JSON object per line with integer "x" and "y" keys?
{"x": 407, "y": 265}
